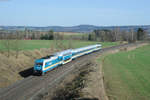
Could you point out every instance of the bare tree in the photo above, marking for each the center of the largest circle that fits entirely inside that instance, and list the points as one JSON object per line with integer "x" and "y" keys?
{"x": 132, "y": 36}
{"x": 58, "y": 41}
{"x": 6, "y": 43}
{"x": 17, "y": 43}
{"x": 116, "y": 34}
{"x": 70, "y": 45}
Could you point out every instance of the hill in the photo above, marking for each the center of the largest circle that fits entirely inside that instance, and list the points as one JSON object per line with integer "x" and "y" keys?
{"x": 79, "y": 28}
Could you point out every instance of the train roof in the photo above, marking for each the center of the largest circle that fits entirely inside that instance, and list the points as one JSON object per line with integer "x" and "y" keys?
{"x": 87, "y": 47}
{"x": 54, "y": 56}
{"x": 63, "y": 52}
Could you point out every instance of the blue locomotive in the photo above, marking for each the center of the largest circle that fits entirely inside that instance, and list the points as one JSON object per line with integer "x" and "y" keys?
{"x": 50, "y": 62}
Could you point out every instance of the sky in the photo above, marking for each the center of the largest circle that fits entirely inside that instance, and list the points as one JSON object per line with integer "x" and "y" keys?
{"x": 74, "y": 12}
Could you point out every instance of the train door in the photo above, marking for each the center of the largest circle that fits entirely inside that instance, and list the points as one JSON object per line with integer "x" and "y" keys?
{"x": 67, "y": 58}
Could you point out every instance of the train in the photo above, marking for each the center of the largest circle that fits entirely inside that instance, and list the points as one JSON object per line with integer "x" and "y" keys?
{"x": 48, "y": 63}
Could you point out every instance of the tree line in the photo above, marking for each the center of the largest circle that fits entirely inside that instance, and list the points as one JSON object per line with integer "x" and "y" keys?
{"x": 118, "y": 35}
{"x": 28, "y": 34}
{"x": 103, "y": 35}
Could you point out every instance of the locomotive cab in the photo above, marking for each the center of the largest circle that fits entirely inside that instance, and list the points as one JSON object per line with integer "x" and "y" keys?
{"x": 38, "y": 66}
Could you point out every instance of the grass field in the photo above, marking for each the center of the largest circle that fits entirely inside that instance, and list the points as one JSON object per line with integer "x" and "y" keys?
{"x": 127, "y": 74}
{"x": 37, "y": 44}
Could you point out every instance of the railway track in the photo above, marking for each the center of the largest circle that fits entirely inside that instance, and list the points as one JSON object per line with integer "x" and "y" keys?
{"x": 30, "y": 87}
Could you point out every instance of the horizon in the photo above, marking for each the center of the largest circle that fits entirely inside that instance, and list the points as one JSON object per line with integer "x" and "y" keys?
{"x": 68, "y": 13}
{"x": 73, "y": 25}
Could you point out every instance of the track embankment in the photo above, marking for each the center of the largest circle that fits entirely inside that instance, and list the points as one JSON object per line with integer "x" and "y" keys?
{"x": 32, "y": 86}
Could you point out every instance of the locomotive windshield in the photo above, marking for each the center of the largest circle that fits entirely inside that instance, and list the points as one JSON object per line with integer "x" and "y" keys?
{"x": 39, "y": 64}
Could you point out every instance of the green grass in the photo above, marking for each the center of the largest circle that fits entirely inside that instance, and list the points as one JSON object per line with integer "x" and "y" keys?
{"x": 37, "y": 44}
{"x": 127, "y": 74}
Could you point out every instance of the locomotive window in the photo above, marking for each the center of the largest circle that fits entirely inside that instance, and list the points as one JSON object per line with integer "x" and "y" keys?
{"x": 39, "y": 64}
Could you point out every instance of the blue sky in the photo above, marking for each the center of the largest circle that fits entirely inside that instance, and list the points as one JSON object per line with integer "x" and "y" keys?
{"x": 74, "y": 12}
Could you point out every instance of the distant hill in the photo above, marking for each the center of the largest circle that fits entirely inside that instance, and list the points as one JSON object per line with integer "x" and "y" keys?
{"x": 79, "y": 28}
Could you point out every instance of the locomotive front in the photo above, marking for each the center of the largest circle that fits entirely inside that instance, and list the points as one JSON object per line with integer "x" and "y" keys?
{"x": 38, "y": 66}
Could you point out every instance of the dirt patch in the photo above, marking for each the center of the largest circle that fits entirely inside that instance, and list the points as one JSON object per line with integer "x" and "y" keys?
{"x": 95, "y": 87}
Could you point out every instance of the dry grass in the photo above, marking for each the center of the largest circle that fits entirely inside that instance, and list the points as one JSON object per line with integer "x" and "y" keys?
{"x": 11, "y": 67}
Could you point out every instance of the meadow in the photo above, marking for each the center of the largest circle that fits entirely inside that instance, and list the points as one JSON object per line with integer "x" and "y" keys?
{"x": 127, "y": 74}
{"x": 38, "y": 44}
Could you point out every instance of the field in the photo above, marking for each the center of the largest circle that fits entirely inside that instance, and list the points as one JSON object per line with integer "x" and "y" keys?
{"x": 37, "y": 44}
{"x": 127, "y": 74}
